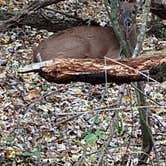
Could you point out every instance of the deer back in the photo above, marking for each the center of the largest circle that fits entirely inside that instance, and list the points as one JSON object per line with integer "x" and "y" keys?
{"x": 86, "y": 41}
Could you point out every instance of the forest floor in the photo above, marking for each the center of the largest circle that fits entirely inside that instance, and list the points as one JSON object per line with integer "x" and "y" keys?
{"x": 45, "y": 123}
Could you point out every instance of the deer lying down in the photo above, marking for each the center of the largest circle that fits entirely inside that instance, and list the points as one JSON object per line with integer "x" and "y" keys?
{"x": 88, "y": 41}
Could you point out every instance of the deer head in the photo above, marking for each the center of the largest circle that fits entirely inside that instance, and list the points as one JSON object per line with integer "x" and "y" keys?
{"x": 127, "y": 21}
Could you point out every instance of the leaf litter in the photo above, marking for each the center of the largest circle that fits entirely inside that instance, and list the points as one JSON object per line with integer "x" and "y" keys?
{"x": 44, "y": 123}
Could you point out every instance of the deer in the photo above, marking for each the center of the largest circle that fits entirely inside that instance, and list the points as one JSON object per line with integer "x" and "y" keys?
{"x": 89, "y": 41}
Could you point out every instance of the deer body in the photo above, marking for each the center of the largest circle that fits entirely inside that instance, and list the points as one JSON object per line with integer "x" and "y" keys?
{"x": 79, "y": 42}
{"x": 86, "y": 41}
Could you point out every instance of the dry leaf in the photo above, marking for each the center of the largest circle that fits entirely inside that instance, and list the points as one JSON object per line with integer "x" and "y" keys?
{"x": 33, "y": 94}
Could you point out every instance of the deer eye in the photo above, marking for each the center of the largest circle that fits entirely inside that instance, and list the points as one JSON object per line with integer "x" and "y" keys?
{"x": 133, "y": 12}
{"x": 128, "y": 22}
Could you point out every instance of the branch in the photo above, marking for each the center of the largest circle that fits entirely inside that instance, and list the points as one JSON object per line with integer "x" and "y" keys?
{"x": 31, "y": 8}
{"x": 147, "y": 142}
{"x": 145, "y": 68}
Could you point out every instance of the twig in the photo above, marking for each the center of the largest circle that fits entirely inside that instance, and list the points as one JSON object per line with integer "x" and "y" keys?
{"x": 133, "y": 85}
{"x": 147, "y": 140}
{"x": 65, "y": 14}
{"x": 129, "y": 67}
{"x": 107, "y": 109}
{"x": 116, "y": 120}
{"x": 80, "y": 161}
{"x": 132, "y": 127}
{"x": 66, "y": 120}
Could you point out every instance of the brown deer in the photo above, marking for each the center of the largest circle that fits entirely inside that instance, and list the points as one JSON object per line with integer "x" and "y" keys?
{"x": 88, "y": 41}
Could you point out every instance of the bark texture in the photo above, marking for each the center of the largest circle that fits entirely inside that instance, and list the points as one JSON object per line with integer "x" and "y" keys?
{"x": 144, "y": 68}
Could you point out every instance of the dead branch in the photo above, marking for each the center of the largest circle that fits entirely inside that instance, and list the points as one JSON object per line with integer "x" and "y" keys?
{"x": 53, "y": 24}
{"x": 31, "y": 8}
{"x": 144, "y": 68}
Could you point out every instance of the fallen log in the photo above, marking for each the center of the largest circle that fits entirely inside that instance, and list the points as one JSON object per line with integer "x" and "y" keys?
{"x": 30, "y": 15}
{"x": 38, "y": 20}
{"x": 27, "y": 10}
{"x": 94, "y": 71}
{"x": 158, "y": 8}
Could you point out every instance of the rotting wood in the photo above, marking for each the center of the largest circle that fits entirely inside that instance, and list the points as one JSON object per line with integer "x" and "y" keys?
{"x": 93, "y": 70}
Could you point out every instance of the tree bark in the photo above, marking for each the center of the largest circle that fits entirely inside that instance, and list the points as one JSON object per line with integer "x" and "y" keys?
{"x": 144, "y": 68}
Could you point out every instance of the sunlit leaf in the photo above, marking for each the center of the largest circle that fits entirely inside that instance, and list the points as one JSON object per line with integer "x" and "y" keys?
{"x": 33, "y": 94}
{"x": 91, "y": 138}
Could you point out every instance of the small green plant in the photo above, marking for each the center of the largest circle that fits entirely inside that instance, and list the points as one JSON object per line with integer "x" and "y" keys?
{"x": 92, "y": 138}
{"x": 32, "y": 154}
